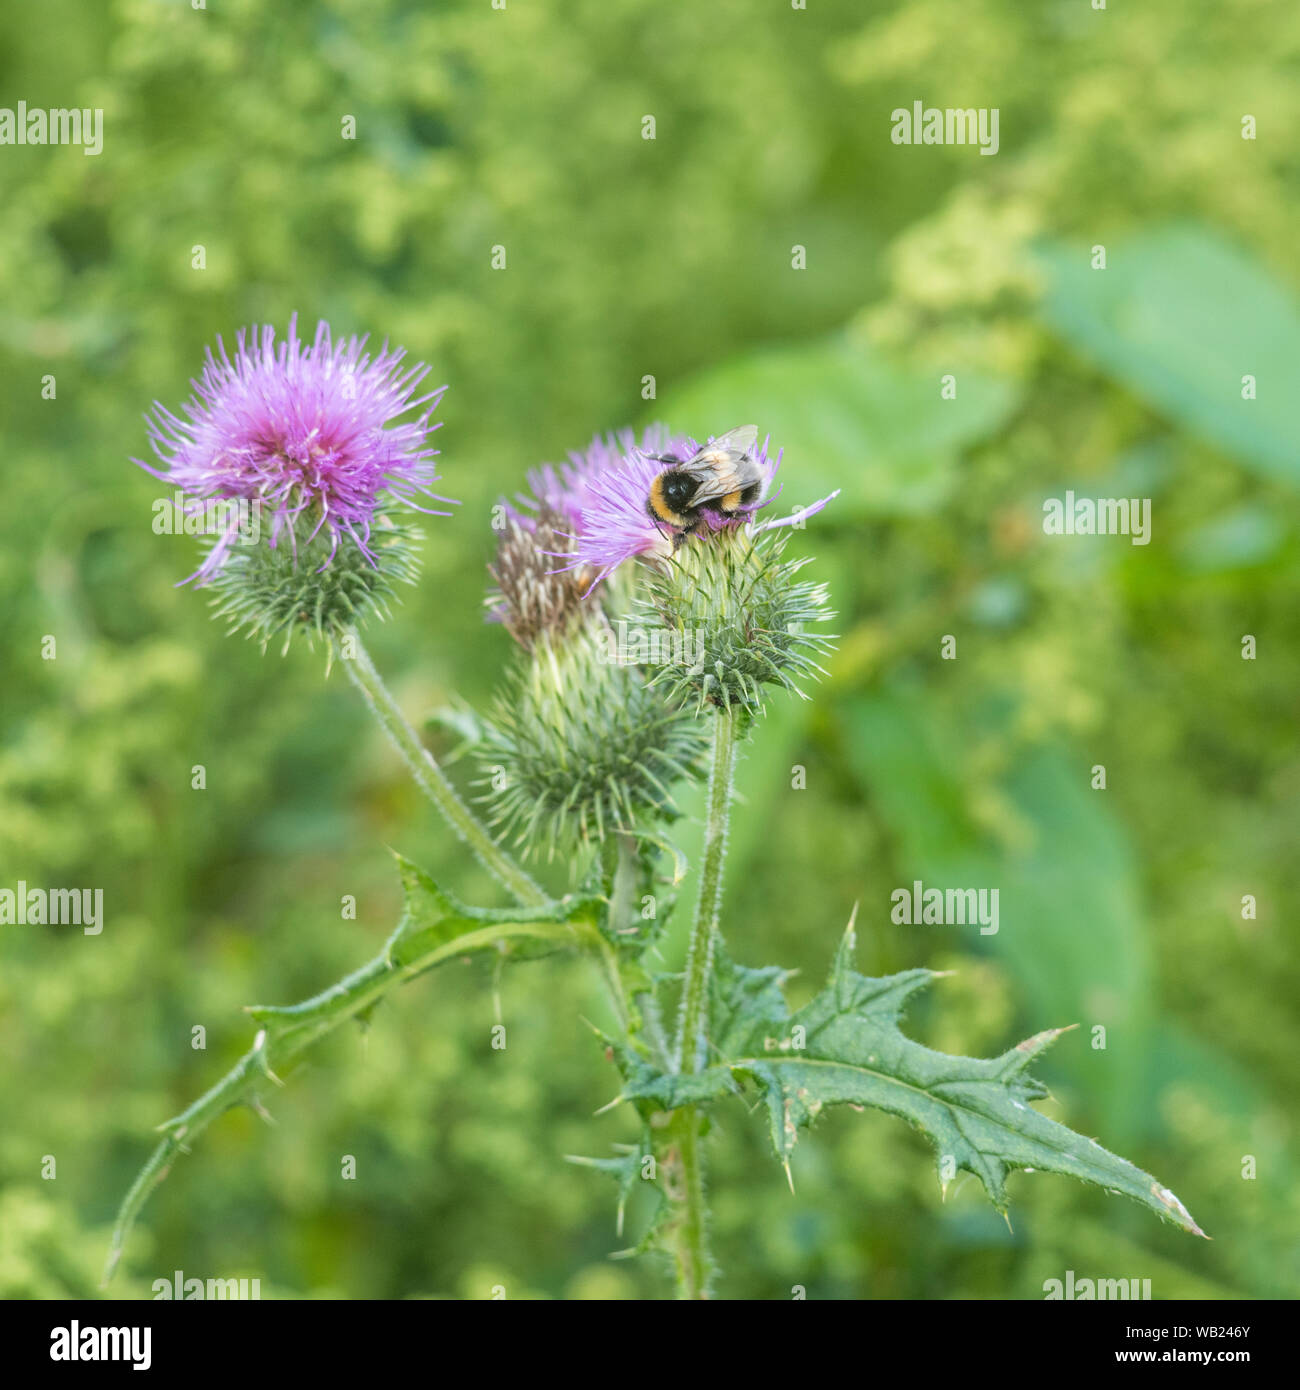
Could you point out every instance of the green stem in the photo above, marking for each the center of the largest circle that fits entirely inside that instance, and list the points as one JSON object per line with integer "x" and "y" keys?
{"x": 434, "y": 782}
{"x": 631, "y": 995}
{"x": 695, "y": 1266}
{"x": 621, "y": 907}
{"x": 704, "y": 930}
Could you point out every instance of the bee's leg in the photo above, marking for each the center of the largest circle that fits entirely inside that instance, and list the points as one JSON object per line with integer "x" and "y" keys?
{"x": 679, "y": 537}
{"x": 659, "y": 526}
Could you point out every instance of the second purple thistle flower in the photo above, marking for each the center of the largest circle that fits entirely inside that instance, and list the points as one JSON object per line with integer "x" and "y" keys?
{"x": 607, "y": 493}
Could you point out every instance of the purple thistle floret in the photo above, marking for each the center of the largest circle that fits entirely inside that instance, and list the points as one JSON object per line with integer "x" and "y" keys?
{"x": 560, "y": 487}
{"x": 301, "y": 429}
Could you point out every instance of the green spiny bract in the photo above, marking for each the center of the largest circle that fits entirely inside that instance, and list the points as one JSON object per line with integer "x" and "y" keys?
{"x": 740, "y": 611}
{"x": 267, "y": 591}
{"x": 579, "y": 746}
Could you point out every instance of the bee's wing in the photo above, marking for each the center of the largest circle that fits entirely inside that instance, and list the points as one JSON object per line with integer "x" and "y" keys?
{"x": 713, "y": 479}
{"x": 714, "y": 468}
{"x": 741, "y": 440}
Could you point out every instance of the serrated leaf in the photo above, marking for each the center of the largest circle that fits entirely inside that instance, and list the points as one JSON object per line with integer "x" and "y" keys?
{"x": 845, "y": 1048}
{"x": 626, "y": 1170}
{"x": 463, "y": 722}
{"x": 433, "y": 921}
{"x": 432, "y": 917}
{"x": 746, "y": 1004}
{"x": 1072, "y": 923}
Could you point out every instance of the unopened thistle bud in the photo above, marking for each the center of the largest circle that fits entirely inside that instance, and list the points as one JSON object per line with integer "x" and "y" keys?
{"x": 578, "y": 746}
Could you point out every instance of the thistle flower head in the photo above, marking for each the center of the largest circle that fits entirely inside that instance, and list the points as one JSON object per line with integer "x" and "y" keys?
{"x": 579, "y": 746}
{"x": 536, "y": 586}
{"x": 739, "y": 618}
{"x": 560, "y": 486}
{"x": 311, "y": 432}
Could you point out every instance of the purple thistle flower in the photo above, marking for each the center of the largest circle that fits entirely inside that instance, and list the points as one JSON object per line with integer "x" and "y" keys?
{"x": 553, "y": 506}
{"x": 301, "y": 428}
{"x": 541, "y": 526}
{"x": 613, "y": 523}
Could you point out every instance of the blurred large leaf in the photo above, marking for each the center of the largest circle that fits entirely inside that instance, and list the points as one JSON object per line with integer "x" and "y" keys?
{"x": 1179, "y": 317}
{"x": 1070, "y": 921}
{"x": 1250, "y": 535}
{"x": 847, "y": 419}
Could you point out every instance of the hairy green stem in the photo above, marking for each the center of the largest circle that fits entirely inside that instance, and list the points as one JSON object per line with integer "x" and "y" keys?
{"x": 695, "y": 1267}
{"x": 434, "y": 782}
{"x": 704, "y": 929}
{"x": 694, "y": 1260}
{"x": 622, "y": 904}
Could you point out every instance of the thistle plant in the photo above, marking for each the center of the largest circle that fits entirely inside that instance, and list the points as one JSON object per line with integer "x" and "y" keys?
{"x": 644, "y": 657}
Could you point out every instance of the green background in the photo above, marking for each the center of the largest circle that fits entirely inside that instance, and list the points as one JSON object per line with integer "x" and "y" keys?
{"x": 670, "y": 258}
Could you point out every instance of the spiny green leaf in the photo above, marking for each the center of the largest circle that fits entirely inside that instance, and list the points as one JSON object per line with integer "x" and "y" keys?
{"x": 432, "y": 917}
{"x": 626, "y": 1170}
{"x": 845, "y": 1048}
{"x": 745, "y": 1002}
{"x": 460, "y": 720}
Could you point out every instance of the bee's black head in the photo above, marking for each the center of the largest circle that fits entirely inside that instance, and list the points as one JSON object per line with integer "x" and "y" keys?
{"x": 678, "y": 487}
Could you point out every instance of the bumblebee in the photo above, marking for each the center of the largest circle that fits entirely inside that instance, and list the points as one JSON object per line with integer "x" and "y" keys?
{"x": 722, "y": 478}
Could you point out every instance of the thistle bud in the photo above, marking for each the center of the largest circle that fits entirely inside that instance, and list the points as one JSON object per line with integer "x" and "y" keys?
{"x": 532, "y": 597}
{"x": 578, "y": 746}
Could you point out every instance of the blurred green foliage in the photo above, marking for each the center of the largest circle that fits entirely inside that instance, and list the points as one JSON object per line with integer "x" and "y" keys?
{"x": 626, "y": 258}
